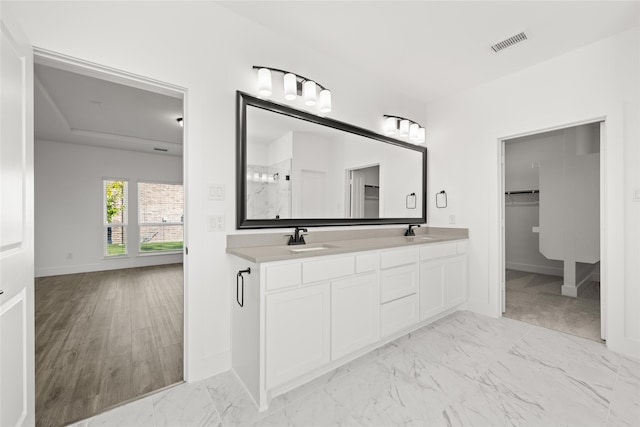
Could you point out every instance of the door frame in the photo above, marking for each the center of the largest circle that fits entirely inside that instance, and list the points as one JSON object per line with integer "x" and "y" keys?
{"x": 604, "y": 286}
{"x": 114, "y": 75}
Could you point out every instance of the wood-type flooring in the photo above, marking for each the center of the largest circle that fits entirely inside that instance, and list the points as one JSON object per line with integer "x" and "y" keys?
{"x": 104, "y": 338}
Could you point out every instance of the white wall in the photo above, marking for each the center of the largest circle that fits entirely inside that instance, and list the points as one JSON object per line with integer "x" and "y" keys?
{"x": 209, "y": 51}
{"x": 596, "y": 81}
{"x": 69, "y": 206}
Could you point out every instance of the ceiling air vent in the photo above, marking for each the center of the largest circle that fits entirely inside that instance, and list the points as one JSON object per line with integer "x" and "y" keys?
{"x": 520, "y": 37}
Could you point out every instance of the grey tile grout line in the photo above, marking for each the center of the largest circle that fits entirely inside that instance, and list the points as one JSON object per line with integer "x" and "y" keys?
{"x": 213, "y": 403}
{"x": 153, "y": 412}
{"x": 615, "y": 385}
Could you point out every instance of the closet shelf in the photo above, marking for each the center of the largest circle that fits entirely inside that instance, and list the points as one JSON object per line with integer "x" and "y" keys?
{"x": 523, "y": 192}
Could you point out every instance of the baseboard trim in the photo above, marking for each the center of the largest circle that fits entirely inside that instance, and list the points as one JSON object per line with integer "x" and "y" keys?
{"x": 200, "y": 369}
{"x": 110, "y": 264}
{"x": 626, "y": 346}
{"x": 539, "y": 269}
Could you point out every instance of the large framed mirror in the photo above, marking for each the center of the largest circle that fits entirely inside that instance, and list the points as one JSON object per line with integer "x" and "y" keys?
{"x": 298, "y": 169}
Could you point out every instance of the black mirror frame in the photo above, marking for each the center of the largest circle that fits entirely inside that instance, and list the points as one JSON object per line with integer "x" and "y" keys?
{"x": 242, "y": 101}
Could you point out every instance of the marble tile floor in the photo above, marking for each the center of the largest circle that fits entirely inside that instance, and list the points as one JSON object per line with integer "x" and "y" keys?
{"x": 464, "y": 370}
{"x": 537, "y": 299}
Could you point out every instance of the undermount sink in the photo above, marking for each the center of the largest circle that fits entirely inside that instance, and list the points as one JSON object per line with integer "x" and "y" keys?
{"x": 305, "y": 248}
{"x": 414, "y": 238}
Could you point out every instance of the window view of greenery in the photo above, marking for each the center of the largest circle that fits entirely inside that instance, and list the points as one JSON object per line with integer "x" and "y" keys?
{"x": 161, "y": 217}
{"x": 115, "y": 193}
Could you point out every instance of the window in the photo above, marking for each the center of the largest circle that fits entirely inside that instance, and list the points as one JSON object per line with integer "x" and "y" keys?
{"x": 161, "y": 217}
{"x": 114, "y": 193}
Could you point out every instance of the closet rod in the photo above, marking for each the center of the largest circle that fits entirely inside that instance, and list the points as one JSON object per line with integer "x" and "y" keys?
{"x": 523, "y": 192}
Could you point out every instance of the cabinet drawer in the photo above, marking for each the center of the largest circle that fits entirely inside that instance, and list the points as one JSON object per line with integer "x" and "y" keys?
{"x": 326, "y": 269}
{"x": 283, "y": 276}
{"x": 396, "y": 257}
{"x": 399, "y": 314}
{"x": 398, "y": 282}
{"x": 438, "y": 251}
{"x": 367, "y": 262}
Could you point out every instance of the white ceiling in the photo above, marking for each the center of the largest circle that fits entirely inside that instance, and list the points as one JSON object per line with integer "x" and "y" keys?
{"x": 80, "y": 109}
{"x": 429, "y": 49}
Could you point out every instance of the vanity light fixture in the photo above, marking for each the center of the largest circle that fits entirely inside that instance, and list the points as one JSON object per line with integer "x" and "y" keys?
{"x": 294, "y": 86}
{"x": 264, "y": 82}
{"x": 290, "y": 87}
{"x": 404, "y": 128}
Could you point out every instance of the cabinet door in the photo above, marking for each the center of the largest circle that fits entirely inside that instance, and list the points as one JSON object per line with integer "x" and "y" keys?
{"x": 432, "y": 283}
{"x": 355, "y": 314}
{"x": 297, "y": 332}
{"x": 455, "y": 280}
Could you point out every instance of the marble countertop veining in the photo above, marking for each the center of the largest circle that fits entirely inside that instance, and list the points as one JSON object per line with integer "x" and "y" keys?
{"x": 282, "y": 252}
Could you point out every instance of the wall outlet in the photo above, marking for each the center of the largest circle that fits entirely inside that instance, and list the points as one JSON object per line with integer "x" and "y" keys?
{"x": 452, "y": 219}
{"x": 215, "y": 223}
{"x": 216, "y": 192}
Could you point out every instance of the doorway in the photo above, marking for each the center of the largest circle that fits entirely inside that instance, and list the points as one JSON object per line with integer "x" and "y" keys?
{"x": 364, "y": 192}
{"x": 109, "y": 237}
{"x": 551, "y": 229}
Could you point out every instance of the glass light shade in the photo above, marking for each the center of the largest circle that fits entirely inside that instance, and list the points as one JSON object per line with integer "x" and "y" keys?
{"x": 290, "y": 87}
{"x": 421, "y": 136}
{"x": 264, "y": 82}
{"x": 309, "y": 92}
{"x": 390, "y": 126}
{"x": 324, "y": 101}
{"x": 413, "y": 132}
{"x": 404, "y": 127}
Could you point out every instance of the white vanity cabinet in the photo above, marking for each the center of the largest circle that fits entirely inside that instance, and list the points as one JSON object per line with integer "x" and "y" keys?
{"x": 304, "y": 317}
{"x": 443, "y": 277}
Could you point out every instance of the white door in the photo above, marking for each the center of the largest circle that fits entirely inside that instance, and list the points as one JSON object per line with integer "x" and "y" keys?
{"x": 355, "y": 314}
{"x": 312, "y": 187}
{"x": 431, "y": 288}
{"x": 17, "y": 371}
{"x": 503, "y": 236}
{"x": 298, "y": 326}
{"x": 455, "y": 281}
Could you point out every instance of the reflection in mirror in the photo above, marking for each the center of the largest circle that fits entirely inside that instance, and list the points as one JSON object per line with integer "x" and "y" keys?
{"x": 300, "y": 169}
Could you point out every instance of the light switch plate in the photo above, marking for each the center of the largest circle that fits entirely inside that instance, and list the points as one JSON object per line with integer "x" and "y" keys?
{"x": 216, "y": 192}
{"x": 215, "y": 223}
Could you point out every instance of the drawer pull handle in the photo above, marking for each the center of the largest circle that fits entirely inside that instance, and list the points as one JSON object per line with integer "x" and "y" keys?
{"x": 240, "y": 286}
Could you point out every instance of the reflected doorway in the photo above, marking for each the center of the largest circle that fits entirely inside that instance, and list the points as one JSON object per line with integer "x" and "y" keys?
{"x": 364, "y": 192}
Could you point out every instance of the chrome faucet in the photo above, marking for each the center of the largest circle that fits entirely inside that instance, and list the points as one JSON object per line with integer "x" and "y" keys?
{"x": 409, "y": 231}
{"x": 297, "y": 238}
